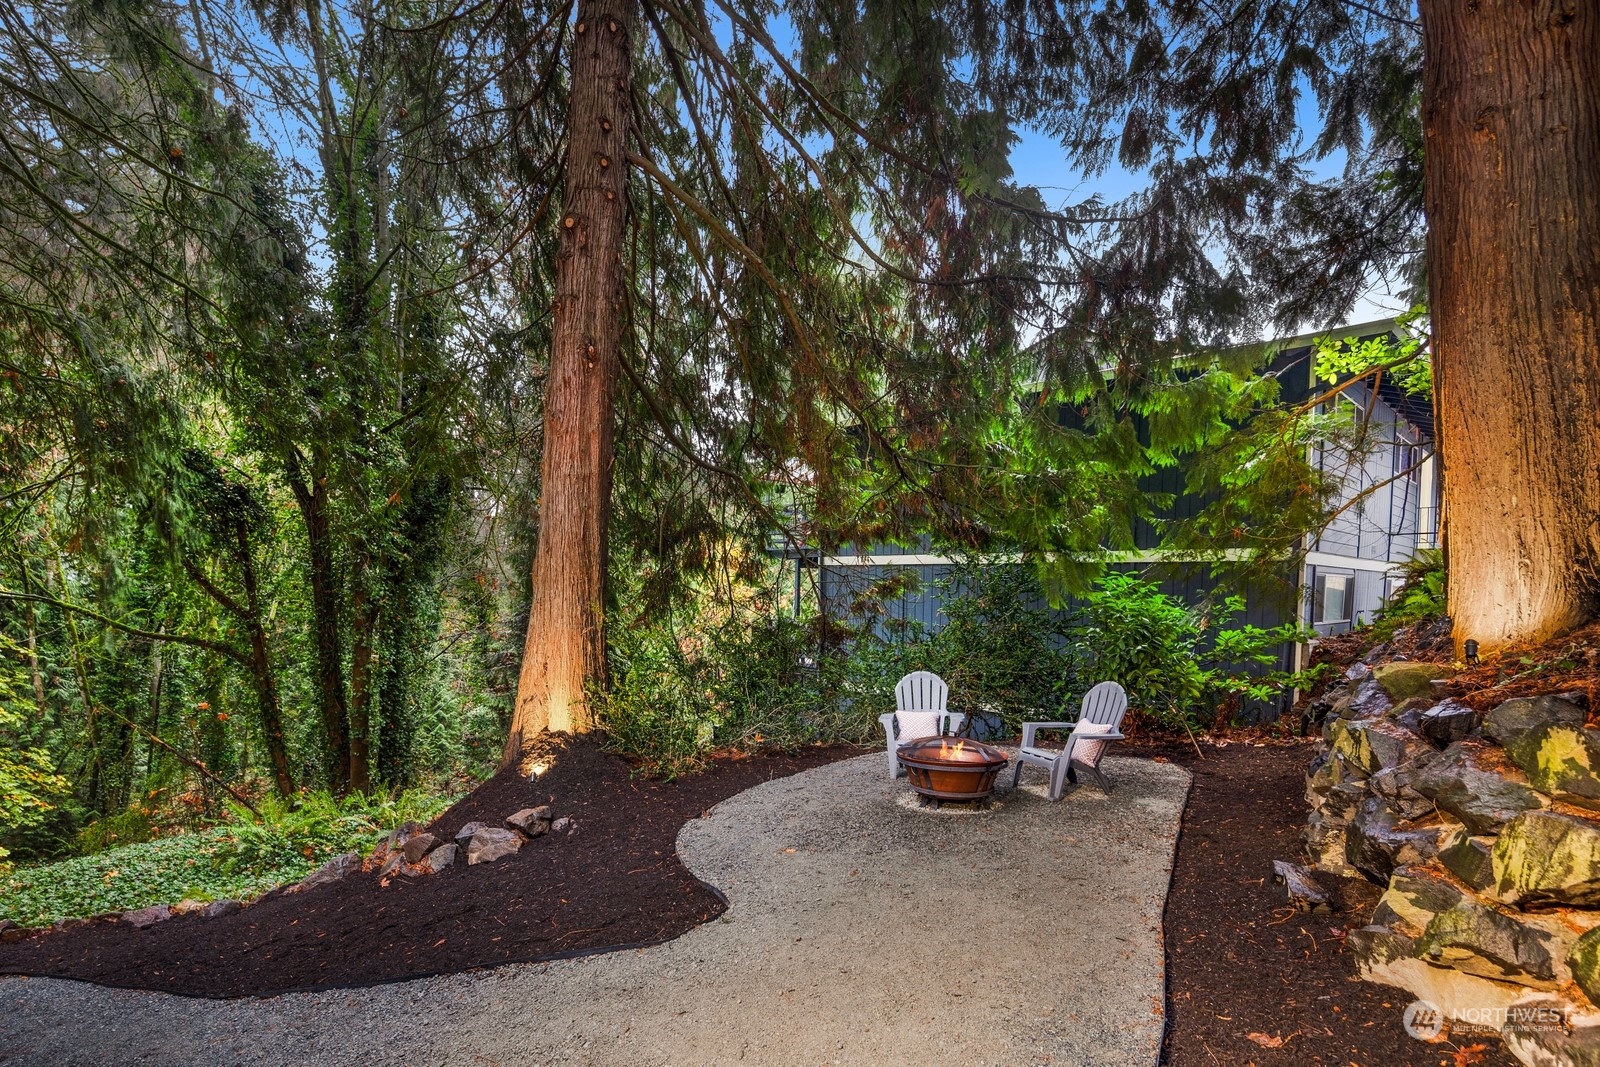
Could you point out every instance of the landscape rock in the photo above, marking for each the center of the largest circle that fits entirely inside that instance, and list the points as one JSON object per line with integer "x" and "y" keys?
{"x": 1535, "y": 1034}
{"x": 418, "y": 846}
{"x": 1404, "y": 679}
{"x": 468, "y": 830}
{"x": 1394, "y": 785}
{"x": 188, "y": 907}
{"x": 1471, "y": 782}
{"x": 1303, "y": 891}
{"x": 1375, "y": 947}
{"x": 1372, "y": 745}
{"x": 1357, "y": 672}
{"x": 1319, "y": 776}
{"x": 1415, "y": 897}
{"x": 1479, "y": 940}
{"x": 218, "y": 908}
{"x": 340, "y": 866}
{"x": 395, "y": 862}
{"x": 1468, "y": 858}
{"x": 530, "y": 821}
{"x": 1542, "y": 857}
{"x": 440, "y": 858}
{"x": 1584, "y": 960}
{"x": 1514, "y": 718}
{"x": 1445, "y": 724}
{"x": 1377, "y": 842}
{"x": 564, "y": 825}
{"x": 491, "y": 843}
{"x": 403, "y": 833}
{"x": 147, "y": 917}
{"x": 1364, "y": 700}
{"x": 1560, "y": 759}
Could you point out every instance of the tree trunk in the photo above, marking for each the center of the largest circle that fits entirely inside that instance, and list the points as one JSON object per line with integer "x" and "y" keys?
{"x": 565, "y": 647}
{"x": 325, "y": 623}
{"x": 266, "y": 681}
{"x": 363, "y": 622}
{"x": 1511, "y": 110}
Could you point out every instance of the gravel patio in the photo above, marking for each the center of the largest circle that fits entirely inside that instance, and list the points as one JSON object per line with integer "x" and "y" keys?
{"x": 862, "y": 930}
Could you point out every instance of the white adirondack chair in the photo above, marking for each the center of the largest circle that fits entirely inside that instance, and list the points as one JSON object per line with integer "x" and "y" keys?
{"x": 1099, "y": 723}
{"x": 919, "y": 691}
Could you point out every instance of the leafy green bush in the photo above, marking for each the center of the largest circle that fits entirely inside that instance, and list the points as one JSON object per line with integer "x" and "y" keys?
{"x": 318, "y": 825}
{"x": 124, "y": 828}
{"x": 715, "y": 679}
{"x": 163, "y": 871}
{"x": 1175, "y": 661}
{"x": 1420, "y": 596}
{"x": 239, "y": 861}
{"x": 29, "y": 785}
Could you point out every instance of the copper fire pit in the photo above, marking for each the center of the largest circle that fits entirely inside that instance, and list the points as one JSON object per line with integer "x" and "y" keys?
{"x": 951, "y": 768}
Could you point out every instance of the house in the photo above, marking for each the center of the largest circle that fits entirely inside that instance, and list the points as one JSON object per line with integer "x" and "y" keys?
{"x": 1387, "y": 511}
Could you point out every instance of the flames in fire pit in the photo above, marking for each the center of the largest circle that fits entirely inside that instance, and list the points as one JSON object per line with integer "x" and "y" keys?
{"x": 951, "y": 768}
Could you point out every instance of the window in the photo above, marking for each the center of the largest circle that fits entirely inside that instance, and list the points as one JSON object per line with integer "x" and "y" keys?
{"x": 1330, "y": 598}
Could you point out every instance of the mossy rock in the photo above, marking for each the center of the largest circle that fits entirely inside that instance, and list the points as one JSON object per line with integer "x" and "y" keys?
{"x": 1584, "y": 960}
{"x": 1404, "y": 679}
{"x": 1542, "y": 857}
{"x": 1560, "y": 759}
{"x": 1479, "y": 940}
{"x": 1469, "y": 858}
{"x": 1472, "y": 782}
{"x": 1512, "y": 719}
{"x": 1415, "y": 896}
{"x": 1371, "y": 745}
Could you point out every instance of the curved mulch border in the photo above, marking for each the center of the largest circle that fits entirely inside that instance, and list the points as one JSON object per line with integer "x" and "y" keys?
{"x": 615, "y": 883}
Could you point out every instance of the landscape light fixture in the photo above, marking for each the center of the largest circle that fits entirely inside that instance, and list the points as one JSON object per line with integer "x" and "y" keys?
{"x": 1470, "y": 649}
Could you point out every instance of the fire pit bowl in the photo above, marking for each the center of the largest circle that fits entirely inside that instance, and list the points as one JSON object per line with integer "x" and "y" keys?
{"x": 951, "y": 768}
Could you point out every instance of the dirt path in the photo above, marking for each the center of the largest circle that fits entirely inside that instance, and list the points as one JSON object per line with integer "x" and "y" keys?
{"x": 860, "y": 931}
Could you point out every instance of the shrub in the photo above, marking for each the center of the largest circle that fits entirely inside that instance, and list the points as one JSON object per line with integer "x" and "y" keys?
{"x": 1175, "y": 661}
{"x": 124, "y": 828}
{"x": 239, "y": 861}
{"x": 29, "y": 785}
{"x": 1420, "y": 596}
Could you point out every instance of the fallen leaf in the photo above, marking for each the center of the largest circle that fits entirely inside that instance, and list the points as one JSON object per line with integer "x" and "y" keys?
{"x": 1265, "y": 1040}
{"x": 1468, "y": 1055}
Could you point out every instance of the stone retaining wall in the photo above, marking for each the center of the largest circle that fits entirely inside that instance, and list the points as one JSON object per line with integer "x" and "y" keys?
{"x": 1486, "y": 831}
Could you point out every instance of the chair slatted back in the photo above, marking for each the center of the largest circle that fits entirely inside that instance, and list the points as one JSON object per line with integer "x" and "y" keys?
{"x": 922, "y": 691}
{"x": 1106, "y": 704}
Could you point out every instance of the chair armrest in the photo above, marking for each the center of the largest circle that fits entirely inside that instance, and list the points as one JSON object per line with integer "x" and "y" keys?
{"x": 886, "y": 720}
{"x": 1031, "y": 728}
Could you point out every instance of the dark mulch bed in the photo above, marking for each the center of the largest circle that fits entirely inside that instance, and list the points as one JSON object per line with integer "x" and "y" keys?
{"x": 615, "y": 882}
{"x": 1239, "y": 962}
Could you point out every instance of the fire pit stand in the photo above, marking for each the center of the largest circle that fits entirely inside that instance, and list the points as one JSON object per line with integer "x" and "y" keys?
{"x": 951, "y": 768}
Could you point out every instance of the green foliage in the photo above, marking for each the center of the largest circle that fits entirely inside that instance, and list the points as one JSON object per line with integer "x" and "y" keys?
{"x": 129, "y": 827}
{"x": 318, "y": 825}
{"x": 162, "y": 871}
{"x": 29, "y": 784}
{"x": 1176, "y": 661}
{"x": 1420, "y": 596}
{"x": 238, "y": 861}
{"x": 1002, "y": 649}
{"x": 1406, "y": 361}
{"x": 718, "y": 679}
